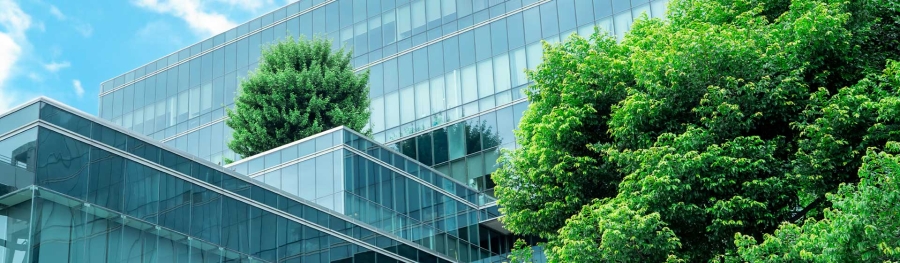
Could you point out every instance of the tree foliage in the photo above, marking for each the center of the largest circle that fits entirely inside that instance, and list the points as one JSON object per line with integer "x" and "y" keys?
{"x": 301, "y": 88}
{"x": 726, "y": 117}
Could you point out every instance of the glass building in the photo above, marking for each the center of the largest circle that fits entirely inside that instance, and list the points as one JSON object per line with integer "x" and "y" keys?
{"x": 446, "y": 85}
{"x": 78, "y": 189}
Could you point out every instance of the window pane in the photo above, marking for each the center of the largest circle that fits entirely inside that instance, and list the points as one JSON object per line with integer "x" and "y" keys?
{"x": 423, "y": 109}
{"x": 482, "y": 43}
{"x": 517, "y": 67}
{"x": 549, "y": 22}
{"x": 407, "y": 105}
{"x": 485, "y": 79}
{"x": 392, "y": 110}
{"x": 418, "y": 16}
{"x": 457, "y": 140}
{"x": 498, "y": 37}
{"x": 377, "y": 114}
{"x": 437, "y": 94}
{"x": 454, "y": 92}
{"x": 469, "y": 84}
{"x": 466, "y": 48}
{"x": 501, "y": 72}
{"x": 532, "y": 25}
{"x": 403, "y": 23}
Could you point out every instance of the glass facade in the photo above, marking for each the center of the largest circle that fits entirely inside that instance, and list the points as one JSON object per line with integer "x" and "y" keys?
{"x": 431, "y": 62}
{"x": 85, "y": 191}
{"x": 446, "y": 87}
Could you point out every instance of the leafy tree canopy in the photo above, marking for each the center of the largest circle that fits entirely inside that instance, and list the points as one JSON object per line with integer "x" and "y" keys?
{"x": 301, "y": 88}
{"x": 726, "y": 117}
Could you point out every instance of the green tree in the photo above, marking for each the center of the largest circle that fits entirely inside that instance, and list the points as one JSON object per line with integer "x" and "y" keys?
{"x": 719, "y": 119}
{"x": 861, "y": 226}
{"x": 301, "y": 88}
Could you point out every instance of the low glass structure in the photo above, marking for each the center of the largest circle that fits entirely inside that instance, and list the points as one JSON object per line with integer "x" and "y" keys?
{"x": 79, "y": 189}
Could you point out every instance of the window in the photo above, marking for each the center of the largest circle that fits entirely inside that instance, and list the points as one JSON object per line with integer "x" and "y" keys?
{"x": 485, "y": 79}
{"x": 418, "y": 16}
{"x": 518, "y": 65}
{"x": 420, "y": 65}
{"x": 423, "y": 109}
{"x": 206, "y": 97}
{"x": 623, "y": 24}
{"x": 435, "y": 59}
{"x": 501, "y": 73}
{"x": 195, "y": 102}
{"x": 566, "y": 15}
{"x": 390, "y": 76}
{"x": 482, "y": 43}
{"x": 377, "y": 114}
{"x": 454, "y": 94}
{"x": 433, "y": 12}
{"x": 405, "y": 70}
{"x": 407, "y": 105}
{"x": 404, "y": 25}
{"x": 469, "y": 82}
{"x": 466, "y": 48}
{"x": 307, "y": 179}
{"x": 389, "y": 27}
{"x": 374, "y": 33}
{"x": 437, "y": 94}
{"x": 392, "y": 110}
{"x": 499, "y": 37}
{"x": 550, "y": 24}
{"x": 532, "y": 25}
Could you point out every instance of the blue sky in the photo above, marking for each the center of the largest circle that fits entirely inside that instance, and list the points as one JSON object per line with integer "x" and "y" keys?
{"x": 63, "y": 49}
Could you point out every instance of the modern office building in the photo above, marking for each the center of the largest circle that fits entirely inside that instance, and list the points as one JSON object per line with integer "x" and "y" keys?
{"x": 74, "y": 188}
{"x": 146, "y": 182}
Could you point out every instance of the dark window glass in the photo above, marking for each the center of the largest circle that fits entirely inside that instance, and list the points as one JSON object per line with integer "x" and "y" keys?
{"x": 473, "y": 136}
{"x": 174, "y": 203}
{"x": 141, "y": 191}
{"x": 425, "y": 150}
{"x": 235, "y": 225}
{"x": 62, "y": 119}
{"x": 441, "y": 149}
{"x": 206, "y": 210}
{"x": 106, "y": 181}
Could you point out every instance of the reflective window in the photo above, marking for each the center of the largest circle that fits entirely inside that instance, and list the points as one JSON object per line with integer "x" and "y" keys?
{"x": 454, "y": 92}
{"x": 466, "y": 48}
{"x": 469, "y": 84}
{"x": 437, "y": 94}
{"x": 392, "y": 110}
{"x": 482, "y": 43}
{"x": 423, "y": 109}
{"x": 549, "y": 22}
{"x": 485, "y": 79}
{"x": 407, "y": 104}
{"x": 501, "y": 73}
{"x": 532, "y": 25}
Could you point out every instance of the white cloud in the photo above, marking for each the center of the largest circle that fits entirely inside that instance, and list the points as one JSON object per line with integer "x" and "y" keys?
{"x": 56, "y": 66}
{"x": 13, "y": 23}
{"x": 76, "y": 84}
{"x": 56, "y": 13}
{"x": 203, "y": 22}
{"x": 85, "y": 29}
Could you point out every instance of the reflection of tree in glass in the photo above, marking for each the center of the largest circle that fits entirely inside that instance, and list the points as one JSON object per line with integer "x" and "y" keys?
{"x": 478, "y": 136}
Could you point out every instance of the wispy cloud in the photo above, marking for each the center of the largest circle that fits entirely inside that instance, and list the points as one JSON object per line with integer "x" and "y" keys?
{"x": 85, "y": 29}
{"x": 56, "y": 13}
{"x": 202, "y": 22}
{"x": 76, "y": 84}
{"x": 13, "y": 23}
{"x": 56, "y": 66}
